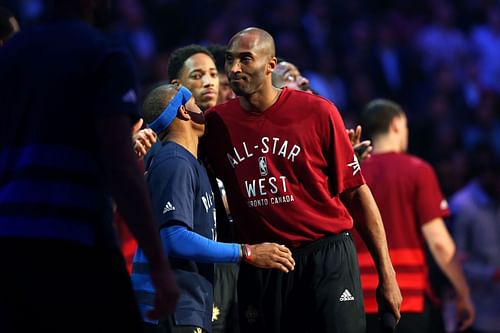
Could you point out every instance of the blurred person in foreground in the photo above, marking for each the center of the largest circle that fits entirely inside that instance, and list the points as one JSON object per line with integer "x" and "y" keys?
{"x": 68, "y": 99}
{"x": 412, "y": 207}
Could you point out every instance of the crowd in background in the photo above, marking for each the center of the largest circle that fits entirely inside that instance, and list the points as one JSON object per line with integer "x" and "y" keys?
{"x": 439, "y": 59}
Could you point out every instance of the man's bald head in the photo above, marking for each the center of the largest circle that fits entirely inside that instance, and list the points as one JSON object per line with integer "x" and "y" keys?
{"x": 250, "y": 62}
{"x": 259, "y": 40}
{"x": 157, "y": 100}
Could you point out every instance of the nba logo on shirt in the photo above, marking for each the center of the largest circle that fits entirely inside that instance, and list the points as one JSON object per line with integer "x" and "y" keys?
{"x": 263, "y": 166}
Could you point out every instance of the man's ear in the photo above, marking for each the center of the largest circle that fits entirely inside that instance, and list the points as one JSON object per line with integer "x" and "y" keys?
{"x": 395, "y": 125}
{"x": 271, "y": 65}
{"x": 183, "y": 114}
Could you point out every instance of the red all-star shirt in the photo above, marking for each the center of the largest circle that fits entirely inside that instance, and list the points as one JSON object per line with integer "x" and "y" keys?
{"x": 283, "y": 168}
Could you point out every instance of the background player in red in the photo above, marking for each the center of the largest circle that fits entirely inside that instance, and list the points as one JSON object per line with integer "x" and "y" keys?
{"x": 412, "y": 206}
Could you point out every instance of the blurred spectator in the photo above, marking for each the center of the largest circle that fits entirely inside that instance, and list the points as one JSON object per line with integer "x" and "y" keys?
{"x": 471, "y": 84}
{"x": 486, "y": 42}
{"x": 392, "y": 66}
{"x": 317, "y": 22}
{"x": 288, "y": 75}
{"x": 484, "y": 125}
{"x": 358, "y": 46}
{"x": 476, "y": 228}
{"x": 361, "y": 92}
{"x": 441, "y": 42}
{"x": 326, "y": 81}
{"x": 131, "y": 28}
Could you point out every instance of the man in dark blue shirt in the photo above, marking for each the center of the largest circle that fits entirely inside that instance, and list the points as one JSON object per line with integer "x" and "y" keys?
{"x": 183, "y": 203}
{"x": 68, "y": 99}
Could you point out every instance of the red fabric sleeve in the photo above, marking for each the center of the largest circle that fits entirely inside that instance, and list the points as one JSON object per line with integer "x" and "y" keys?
{"x": 430, "y": 202}
{"x": 345, "y": 170}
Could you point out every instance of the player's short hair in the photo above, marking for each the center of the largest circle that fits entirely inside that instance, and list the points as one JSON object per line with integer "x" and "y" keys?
{"x": 219, "y": 53}
{"x": 180, "y": 55}
{"x": 377, "y": 116}
{"x": 156, "y": 101}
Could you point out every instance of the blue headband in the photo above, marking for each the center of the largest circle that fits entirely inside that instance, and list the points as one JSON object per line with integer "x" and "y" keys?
{"x": 170, "y": 112}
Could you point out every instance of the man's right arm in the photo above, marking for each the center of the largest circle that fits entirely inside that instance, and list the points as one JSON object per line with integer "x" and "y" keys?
{"x": 443, "y": 250}
{"x": 128, "y": 189}
{"x": 368, "y": 223}
{"x": 183, "y": 243}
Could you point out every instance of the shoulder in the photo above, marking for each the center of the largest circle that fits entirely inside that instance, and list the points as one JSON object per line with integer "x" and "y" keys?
{"x": 410, "y": 161}
{"x": 172, "y": 159}
{"x": 418, "y": 163}
{"x": 419, "y": 169}
{"x": 308, "y": 99}
{"x": 410, "y": 164}
{"x": 318, "y": 106}
{"x": 224, "y": 108}
{"x": 309, "y": 107}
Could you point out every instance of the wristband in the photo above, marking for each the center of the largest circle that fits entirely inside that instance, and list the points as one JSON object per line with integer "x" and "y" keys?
{"x": 246, "y": 252}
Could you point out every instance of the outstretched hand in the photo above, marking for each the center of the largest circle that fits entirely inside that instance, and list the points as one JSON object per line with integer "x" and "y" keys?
{"x": 272, "y": 255}
{"x": 143, "y": 139}
{"x": 361, "y": 148}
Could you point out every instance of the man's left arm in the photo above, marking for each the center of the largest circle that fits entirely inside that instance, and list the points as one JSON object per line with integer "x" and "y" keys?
{"x": 368, "y": 222}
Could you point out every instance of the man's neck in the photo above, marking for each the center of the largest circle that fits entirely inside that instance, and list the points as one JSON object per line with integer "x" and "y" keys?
{"x": 386, "y": 144}
{"x": 260, "y": 101}
{"x": 189, "y": 142}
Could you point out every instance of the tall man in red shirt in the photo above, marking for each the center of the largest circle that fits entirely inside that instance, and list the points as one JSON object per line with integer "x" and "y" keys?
{"x": 412, "y": 206}
{"x": 292, "y": 177}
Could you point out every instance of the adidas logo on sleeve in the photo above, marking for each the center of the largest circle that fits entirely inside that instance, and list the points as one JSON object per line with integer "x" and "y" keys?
{"x": 168, "y": 207}
{"x": 346, "y": 296}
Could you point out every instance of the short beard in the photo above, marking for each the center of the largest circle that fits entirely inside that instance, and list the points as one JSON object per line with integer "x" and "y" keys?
{"x": 237, "y": 91}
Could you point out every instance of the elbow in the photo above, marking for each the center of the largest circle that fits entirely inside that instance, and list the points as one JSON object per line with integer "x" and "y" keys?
{"x": 443, "y": 252}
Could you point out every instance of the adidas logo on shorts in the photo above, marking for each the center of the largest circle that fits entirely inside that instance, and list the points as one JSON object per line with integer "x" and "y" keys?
{"x": 346, "y": 296}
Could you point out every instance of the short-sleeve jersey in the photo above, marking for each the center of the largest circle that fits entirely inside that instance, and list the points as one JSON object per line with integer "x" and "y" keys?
{"x": 181, "y": 195}
{"x": 56, "y": 80}
{"x": 284, "y": 169}
{"x": 408, "y": 195}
